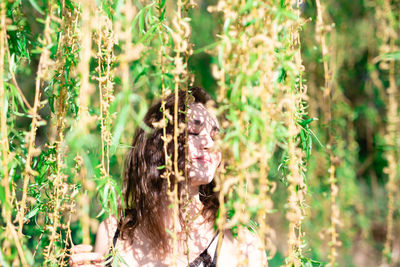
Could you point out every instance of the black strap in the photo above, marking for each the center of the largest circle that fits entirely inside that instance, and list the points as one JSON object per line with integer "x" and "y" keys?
{"x": 203, "y": 257}
{"x": 109, "y": 258}
{"x": 115, "y": 237}
{"x": 212, "y": 240}
{"x": 215, "y": 253}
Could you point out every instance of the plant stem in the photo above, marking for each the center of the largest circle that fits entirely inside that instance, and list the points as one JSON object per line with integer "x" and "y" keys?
{"x": 6, "y": 207}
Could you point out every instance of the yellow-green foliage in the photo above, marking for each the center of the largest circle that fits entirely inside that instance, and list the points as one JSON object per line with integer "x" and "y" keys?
{"x": 307, "y": 97}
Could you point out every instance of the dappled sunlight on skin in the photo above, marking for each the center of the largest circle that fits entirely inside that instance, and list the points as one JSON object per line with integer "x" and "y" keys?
{"x": 142, "y": 254}
{"x": 194, "y": 236}
{"x": 203, "y": 161}
{"x": 203, "y": 157}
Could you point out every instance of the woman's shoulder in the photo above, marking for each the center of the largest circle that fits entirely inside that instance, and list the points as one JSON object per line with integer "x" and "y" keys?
{"x": 245, "y": 236}
{"x": 136, "y": 253}
{"x": 105, "y": 235}
{"x": 246, "y": 245}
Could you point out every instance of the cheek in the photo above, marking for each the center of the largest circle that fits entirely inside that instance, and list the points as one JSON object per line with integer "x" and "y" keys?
{"x": 191, "y": 148}
{"x": 216, "y": 156}
{"x": 219, "y": 157}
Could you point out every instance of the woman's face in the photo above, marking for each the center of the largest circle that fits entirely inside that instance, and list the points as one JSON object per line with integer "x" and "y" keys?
{"x": 203, "y": 156}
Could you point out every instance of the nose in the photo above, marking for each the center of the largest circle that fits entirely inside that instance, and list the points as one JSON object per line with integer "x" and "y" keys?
{"x": 207, "y": 142}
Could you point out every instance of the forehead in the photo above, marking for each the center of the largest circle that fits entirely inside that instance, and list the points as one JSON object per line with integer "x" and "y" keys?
{"x": 197, "y": 112}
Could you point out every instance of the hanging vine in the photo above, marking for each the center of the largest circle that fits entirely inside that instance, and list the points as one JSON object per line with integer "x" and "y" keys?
{"x": 387, "y": 35}
{"x": 252, "y": 93}
{"x": 5, "y": 154}
{"x": 321, "y": 32}
{"x": 77, "y": 77}
{"x": 64, "y": 98}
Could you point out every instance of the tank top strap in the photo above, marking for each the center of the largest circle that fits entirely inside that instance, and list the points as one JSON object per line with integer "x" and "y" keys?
{"x": 214, "y": 244}
{"x": 215, "y": 254}
{"x": 109, "y": 258}
{"x": 205, "y": 259}
{"x": 213, "y": 239}
{"x": 115, "y": 238}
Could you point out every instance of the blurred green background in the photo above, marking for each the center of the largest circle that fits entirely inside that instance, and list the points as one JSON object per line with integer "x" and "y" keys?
{"x": 358, "y": 126}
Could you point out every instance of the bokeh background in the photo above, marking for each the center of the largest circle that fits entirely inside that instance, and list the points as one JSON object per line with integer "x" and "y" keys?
{"x": 307, "y": 89}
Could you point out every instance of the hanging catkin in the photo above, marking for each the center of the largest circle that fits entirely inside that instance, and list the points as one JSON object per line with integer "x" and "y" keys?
{"x": 84, "y": 121}
{"x": 387, "y": 35}
{"x": 6, "y": 207}
{"x": 182, "y": 49}
{"x": 105, "y": 41}
{"x": 293, "y": 105}
{"x": 321, "y": 31}
{"x": 41, "y": 74}
{"x": 252, "y": 98}
{"x": 59, "y": 201}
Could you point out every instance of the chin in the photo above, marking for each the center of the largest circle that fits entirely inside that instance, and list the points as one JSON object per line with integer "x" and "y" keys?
{"x": 197, "y": 180}
{"x": 198, "y": 175}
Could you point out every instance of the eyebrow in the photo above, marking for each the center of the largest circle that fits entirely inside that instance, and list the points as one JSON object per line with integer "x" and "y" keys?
{"x": 216, "y": 128}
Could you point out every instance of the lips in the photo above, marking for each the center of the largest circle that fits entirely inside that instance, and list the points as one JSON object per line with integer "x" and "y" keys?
{"x": 204, "y": 158}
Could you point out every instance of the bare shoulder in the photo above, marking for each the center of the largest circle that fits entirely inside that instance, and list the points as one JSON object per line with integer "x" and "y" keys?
{"x": 251, "y": 239}
{"x": 134, "y": 253}
{"x": 253, "y": 248}
{"x": 105, "y": 234}
{"x": 250, "y": 246}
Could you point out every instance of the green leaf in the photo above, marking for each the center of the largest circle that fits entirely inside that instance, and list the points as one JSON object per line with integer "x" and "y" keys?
{"x": 120, "y": 4}
{"x": 2, "y": 195}
{"x": 40, "y": 20}
{"x": 36, "y": 6}
{"x": 227, "y": 23}
{"x": 119, "y": 128}
{"x": 149, "y": 16}
{"x": 5, "y": 110}
{"x": 250, "y": 22}
{"x": 16, "y": 94}
{"x": 316, "y": 138}
{"x": 51, "y": 103}
{"x": 303, "y": 140}
{"x": 105, "y": 195}
{"x": 11, "y": 28}
{"x": 141, "y": 22}
{"x": 148, "y": 34}
{"x": 207, "y": 47}
{"x": 28, "y": 256}
{"x": 247, "y": 7}
{"x": 387, "y": 56}
{"x": 32, "y": 213}
{"x": 162, "y": 16}
{"x": 2, "y": 261}
{"x": 304, "y": 123}
{"x": 69, "y": 4}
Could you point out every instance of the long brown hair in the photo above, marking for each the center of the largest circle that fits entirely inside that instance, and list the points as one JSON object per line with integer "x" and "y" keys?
{"x": 144, "y": 190}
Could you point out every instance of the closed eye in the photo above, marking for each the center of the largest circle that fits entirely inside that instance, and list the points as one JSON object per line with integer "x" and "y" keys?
{"x": 215, "y": 133}
{"x": 193, "y": 133}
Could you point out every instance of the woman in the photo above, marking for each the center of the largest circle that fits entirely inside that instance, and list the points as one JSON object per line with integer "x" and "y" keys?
{"x": 140, "y": 237}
